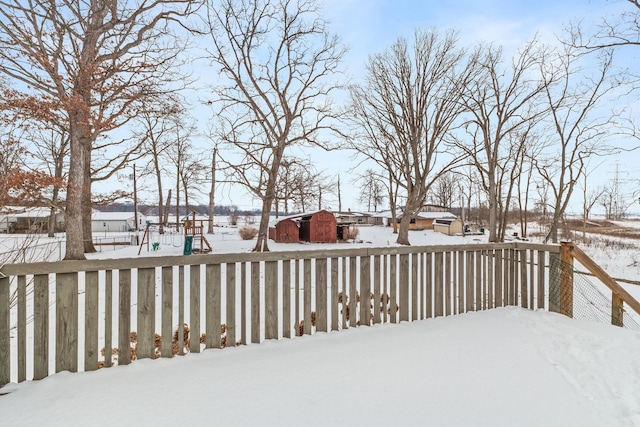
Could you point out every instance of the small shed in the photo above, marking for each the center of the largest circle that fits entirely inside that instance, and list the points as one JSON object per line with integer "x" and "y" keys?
{"x": 448, "y": 226}
{"x": 116, "y": 221}
{"x": 318, "y": 227}
{"x": 285, "y": 231}
{"x": 424, "y": 220}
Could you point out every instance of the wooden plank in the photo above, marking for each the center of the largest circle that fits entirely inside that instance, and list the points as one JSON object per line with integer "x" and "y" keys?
{"x": 532, "y": 275}
{"x": 566, "y": 279}
{"x": 345, "y": 294}
{"x": 321, "y": 295}
{"x": 497, "y": 278}
{"x": 423, "y": 287}
{"x": 455, "y": 284}
{"x": 21, "y": 307}
{"x": 243, "y": 301}
{"x": 41, "y": 326}
{"x": 298, "y": 267}
{"x": 167, "y": 312}
{"x": 428, "y": 284}
{"x": 286, "y": 298}
{"x": 213, "y": 306}
{"x": 524, "y": 281}
{"x": 478, "y": 279}
{"x": 384, "y": 273}
{"x": 438, "y": 291}
{"x": 365, "y": 291}
{"x": 255, "y": 303}
{"x": 213, "y": 258}
{"x": 376, "y": 289}
{"x": 617, "y": 310}
{"x": 460, "y": 282}
{"x": 5, "y": 336}
{"x": 180, "y": 329}
{"x": 393, "y": 286}
{"x": 91, "y": 313}
{"x": 306, "y": 281}
{"x": 513, "y": 276}
{"x": 271, "y": 300}
{"x": 194, "y": 308}
{"x": 490, "y": 263}
{"x": 415, "y": 299}
{"x": 541, "y": 279}
{"x": 146, "y": 322}
{"x": 506, "y": 289}
{"x": 335, "y": 309}
{"x": 404, "y": 284}
{"x": 67, "y": 322}
{"x": 448, "y": 294}
{"x": 469, "y": 281}
{"x": 353, "y": 291}
{"x": 124, "y": 317}
{"x": 231, "y": 305}
{"x": 108, "y": 317}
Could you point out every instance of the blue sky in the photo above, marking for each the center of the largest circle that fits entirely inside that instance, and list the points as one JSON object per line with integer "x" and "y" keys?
{"x": 370, "y": 26}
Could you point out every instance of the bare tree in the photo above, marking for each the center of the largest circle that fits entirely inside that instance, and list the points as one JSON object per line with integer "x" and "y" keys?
{"x": 616, "y": 31}
{"x": 97, "y": 61}
{"x": 50, "y": 147}
{"x": 278, "y": 60}
{"x": 578, "y": 126}
{"x": 406, "y": 110}
{"x": 188, "y": 168}
{"x": 157, "y": 132}
{"x": 445, "y": 188}
{"x": 589, "y": 200}
{"x": 372, "y": 189}
{"x": 502, "y": 104}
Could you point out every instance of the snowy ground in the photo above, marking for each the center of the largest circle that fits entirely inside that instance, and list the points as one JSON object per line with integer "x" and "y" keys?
{"x": 503, "y": 367}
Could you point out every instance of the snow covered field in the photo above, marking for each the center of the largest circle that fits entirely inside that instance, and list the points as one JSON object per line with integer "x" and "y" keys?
{"x": 502, "y": 367}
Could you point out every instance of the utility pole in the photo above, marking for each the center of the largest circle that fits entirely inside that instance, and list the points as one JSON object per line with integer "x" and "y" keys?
{"x": 135, "y": 198}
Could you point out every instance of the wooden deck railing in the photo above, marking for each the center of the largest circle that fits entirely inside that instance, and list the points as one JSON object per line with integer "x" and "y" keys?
{"x": 99, "y": 308}
{"x": 619, "y": 295}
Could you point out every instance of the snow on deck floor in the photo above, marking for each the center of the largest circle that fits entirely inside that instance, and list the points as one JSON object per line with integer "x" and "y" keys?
{"x": 502, "y": 367}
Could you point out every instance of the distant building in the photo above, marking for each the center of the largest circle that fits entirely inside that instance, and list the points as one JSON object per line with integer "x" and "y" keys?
{"x": 116, "y": 221}
{"x": 448, "y": 226}
{"x": 314, "y": 227}
{"x": 20, "y": 219}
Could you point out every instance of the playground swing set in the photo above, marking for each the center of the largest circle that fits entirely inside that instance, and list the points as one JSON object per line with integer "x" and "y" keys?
{"x": 194, "y": 240}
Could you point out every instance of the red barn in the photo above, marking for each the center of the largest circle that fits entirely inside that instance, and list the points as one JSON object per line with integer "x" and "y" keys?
{"x": 318, "y": 227}
{"x": 285, "y": 231}
{"x": 313, "y": 227}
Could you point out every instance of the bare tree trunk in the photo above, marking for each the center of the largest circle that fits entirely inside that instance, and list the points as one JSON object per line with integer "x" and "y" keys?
{"x": 73, "y": 211}
{"x": 165, "y": 214}
{"x": 52, "y": 221}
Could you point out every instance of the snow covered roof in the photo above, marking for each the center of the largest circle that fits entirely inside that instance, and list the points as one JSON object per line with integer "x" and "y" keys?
{"x": 23, "y": 212}
{"x": 114, "y": 216}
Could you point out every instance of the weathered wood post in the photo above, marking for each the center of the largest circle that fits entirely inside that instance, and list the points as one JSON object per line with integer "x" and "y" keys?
{"x": 5, "y": 337}
{"x": 554, "y": 282}
{"x": 566, "y": 279}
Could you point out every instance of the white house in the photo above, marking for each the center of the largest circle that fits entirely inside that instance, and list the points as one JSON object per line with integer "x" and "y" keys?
{"x": 116, "y": 221}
